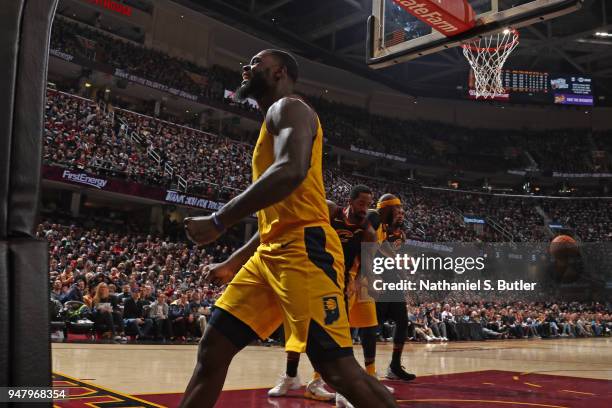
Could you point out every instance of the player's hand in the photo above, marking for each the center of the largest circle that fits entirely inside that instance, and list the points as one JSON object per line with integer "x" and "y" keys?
{"x": 366, "y": 289}
{"x": 351, "y": 288}
{"x": 219, "y": 273}
{"x": 201, "y": 230}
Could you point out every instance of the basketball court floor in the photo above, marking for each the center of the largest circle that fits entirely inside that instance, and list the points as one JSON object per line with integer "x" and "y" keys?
{"x": 513, "y": 373}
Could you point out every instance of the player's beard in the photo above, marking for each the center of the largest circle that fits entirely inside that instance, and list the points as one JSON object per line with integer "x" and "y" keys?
{"x": 358, "y": 215}
{"x": 255, "y": 87}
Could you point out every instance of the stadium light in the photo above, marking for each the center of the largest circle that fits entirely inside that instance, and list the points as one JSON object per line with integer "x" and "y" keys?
{"x": 603, "y": 34}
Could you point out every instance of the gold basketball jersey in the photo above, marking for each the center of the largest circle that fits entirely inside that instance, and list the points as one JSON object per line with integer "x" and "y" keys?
{"x": 306, "y": 205}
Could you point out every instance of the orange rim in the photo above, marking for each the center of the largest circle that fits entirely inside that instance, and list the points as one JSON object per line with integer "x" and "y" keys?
{"x": 475, "y": 48}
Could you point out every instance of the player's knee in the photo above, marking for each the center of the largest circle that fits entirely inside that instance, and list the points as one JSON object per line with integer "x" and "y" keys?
{"x": 230, "y": 331}
{"x": 214, "y": 350}
{"x": 206, "y": 348}
{"x": 340, "y": 373}
{"x": 331, "y": 375}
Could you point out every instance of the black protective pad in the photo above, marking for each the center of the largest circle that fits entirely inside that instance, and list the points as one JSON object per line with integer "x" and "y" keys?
{"x": 4, "y": 315}
{"x": 27, "y": 135}
{"x": 10, "y": 19}
{"x": 29, "y": 334}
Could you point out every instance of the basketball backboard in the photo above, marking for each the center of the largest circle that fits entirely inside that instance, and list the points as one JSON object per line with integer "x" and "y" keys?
{"x": 395, "y": 35}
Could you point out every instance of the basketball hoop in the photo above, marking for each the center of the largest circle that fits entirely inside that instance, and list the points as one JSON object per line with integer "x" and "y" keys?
{"x": 487, "y": 56}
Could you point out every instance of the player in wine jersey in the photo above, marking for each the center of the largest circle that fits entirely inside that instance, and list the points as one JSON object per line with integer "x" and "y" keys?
{"x": 389, "y": 220}
{"x": 292, "y": 270}
{"x": 353, "y": 228}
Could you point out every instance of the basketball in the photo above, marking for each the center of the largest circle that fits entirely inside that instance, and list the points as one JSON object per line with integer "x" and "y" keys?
{"x": 563, "y": 246}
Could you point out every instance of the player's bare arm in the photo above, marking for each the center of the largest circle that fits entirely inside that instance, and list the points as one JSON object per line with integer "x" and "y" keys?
{"x": 223, "y": 272}
{"x": 367, "y": 254}
{"x": 332, "y": 207}
{"x": 294, "y": 125}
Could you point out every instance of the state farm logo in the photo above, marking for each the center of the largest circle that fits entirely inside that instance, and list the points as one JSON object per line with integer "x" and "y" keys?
{"x": 83, "y": 178}
{"x": 113, "y": 6}
{"x": 422, "y": 11}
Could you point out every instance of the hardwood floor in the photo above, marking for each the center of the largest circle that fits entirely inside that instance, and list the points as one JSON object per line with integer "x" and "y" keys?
{"x": 150, "y": 369}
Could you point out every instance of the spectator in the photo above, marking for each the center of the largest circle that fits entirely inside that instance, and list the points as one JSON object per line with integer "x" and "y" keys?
{"x": 75, "y": 292}
{"x": 183, "y": 320}
{"x": 56, "y": 291}
{"x": 201, "y": 310}
{"x": 134, "y": 316}
{"x": 107, "y": 319}
{"x": 159, "y": 315}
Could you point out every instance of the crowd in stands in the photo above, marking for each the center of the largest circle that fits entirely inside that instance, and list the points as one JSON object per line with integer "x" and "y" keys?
{"x": 421, "y": 142}
{"x": 437, "y": 215}
{"x": 455, "y": 320}
{"x": 152, "y": 289}
{"x": 214, "y": 166}
{"x": 132, "y": 284}
{"x": 207, "y": 83}
{"x": 566, "y": 150}
{"x": 591, "y": 219}
{"x": 80, "y": 135}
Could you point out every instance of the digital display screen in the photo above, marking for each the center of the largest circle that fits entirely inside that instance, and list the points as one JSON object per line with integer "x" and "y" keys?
{"x": 572, "y": 89}
{"x": 525, "y": 81}
{"x": 542, "y": 87}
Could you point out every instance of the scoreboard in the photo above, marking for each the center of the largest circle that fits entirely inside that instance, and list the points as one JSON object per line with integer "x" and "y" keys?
{"x": 525, "y": 86}
{"x": 525, "y": 81}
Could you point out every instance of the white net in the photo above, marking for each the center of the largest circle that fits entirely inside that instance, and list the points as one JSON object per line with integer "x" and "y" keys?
{"x": 487, "y": 56}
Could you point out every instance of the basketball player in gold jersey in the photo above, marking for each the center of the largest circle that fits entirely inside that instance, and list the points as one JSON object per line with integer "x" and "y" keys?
{"x": 353, "y": 228}
{"x": 292, "y": 270}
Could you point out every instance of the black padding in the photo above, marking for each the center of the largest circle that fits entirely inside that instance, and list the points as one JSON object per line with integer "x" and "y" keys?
{"x": 4, "y": 315}
{"x": 10, "y": 19}
{"x": 314, "y": 240}
{"x": 29, "y": 334}
{"x": 26, "y": 149}
{"x": 321, "y": 347}
{"x": 234, "y": 329}
{"x": 25, "y": 357}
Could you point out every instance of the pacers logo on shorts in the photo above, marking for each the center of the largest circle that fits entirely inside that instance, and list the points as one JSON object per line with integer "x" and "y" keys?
{"x": 332, "y": 313}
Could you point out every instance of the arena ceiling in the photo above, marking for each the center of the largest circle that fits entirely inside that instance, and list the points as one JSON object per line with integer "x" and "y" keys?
{"x": 333, "y": 32}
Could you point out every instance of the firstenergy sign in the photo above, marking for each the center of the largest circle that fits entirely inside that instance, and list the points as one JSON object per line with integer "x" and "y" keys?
{"x": 449, "y": 17}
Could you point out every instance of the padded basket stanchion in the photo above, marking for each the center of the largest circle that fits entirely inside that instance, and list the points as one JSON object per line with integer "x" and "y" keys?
{"x": 10, "y": 21}
{"x": 30, "y": 344}
{"x": 4, "y": 315}
{"x": 25, "y": 357}
{"x": 28, "y": 118}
